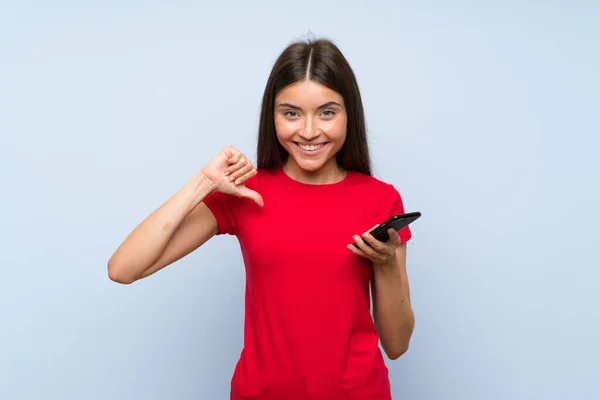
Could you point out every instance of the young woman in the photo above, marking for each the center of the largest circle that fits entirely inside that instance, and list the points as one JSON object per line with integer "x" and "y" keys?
{"x": 309, "y": 333}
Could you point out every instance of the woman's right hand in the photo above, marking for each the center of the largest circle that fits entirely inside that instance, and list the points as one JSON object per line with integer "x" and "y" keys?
{"x": 228, "y": 171}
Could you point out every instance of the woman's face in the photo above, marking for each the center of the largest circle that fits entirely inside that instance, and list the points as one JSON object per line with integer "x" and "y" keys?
{"x": 311, "y": 122}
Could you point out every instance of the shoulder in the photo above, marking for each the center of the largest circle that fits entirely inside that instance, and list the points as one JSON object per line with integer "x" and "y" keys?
{"x": 383, "y": 194}
{"x": 372, "y": 184}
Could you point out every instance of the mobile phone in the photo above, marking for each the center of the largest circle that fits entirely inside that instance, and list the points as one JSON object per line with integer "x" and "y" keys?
{"x": 397, "y": 222}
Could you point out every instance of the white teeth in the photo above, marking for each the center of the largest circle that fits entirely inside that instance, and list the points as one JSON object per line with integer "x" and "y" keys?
{"x": 311, "y": 147}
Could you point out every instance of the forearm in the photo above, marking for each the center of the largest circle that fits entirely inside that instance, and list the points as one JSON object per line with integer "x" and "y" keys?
{"x": 148, "y": 240}
{"x": 392, "y": 311}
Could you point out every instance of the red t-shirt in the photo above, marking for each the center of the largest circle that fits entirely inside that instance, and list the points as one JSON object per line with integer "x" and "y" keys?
{"x": 308, "y": 331}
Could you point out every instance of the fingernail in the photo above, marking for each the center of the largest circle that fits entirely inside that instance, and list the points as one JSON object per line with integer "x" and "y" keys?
{"x": 238, "y": 181}
{"x": 227, "y": 173}
{"x": 231, "y": 179}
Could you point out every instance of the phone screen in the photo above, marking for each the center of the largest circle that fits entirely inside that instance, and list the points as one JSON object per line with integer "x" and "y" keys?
{"x": 398, "y": 222}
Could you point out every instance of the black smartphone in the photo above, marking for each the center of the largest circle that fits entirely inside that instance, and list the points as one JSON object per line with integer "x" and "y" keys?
{"x": 397, "y": 222}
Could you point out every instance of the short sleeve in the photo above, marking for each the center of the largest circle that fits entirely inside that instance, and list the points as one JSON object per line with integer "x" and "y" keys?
{"x": 397, "y": 207}
{"x": 220, "y": 205}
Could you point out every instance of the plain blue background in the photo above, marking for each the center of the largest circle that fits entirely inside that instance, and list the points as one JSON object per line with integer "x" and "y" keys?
{"x": 483, "y": 114}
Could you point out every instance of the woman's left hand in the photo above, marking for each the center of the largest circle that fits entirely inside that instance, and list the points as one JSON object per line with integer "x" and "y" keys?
{"x": 381, "y": 254}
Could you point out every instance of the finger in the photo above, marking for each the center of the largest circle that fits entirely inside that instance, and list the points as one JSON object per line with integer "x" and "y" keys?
{"x": 242, "y": 179}
{"x": 229, "y": 151}
{"x": 356, "y": 250}
{"x": 369, "y": 252}
{"x": 375, "y": 244}
{"x": 240, "y": 172}
{"x": 242, "y": 162}
{"x": 253, "y": 195}
{"x": 394, "y": 237}
{"x": 235, "y": 157}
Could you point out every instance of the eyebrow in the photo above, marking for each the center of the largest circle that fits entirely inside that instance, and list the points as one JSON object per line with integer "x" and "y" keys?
{"x": 328, "y": 104}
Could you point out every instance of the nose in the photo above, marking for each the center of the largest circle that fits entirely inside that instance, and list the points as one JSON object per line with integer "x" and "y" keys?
{"x": 309, "y": 131}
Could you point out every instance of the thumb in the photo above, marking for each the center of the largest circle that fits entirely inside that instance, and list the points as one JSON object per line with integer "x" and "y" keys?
{"x": 251, "y": 194}
{"x": 394, "y": 236}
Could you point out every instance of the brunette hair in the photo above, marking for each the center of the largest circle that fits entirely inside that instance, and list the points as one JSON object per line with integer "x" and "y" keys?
{"x": 323, "y": 62}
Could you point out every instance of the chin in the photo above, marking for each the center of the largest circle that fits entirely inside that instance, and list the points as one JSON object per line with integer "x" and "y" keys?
{"x": 310, "y": 165}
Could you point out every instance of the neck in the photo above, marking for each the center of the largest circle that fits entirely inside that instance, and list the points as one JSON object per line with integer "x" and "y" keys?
{"x": 329, "y": 173}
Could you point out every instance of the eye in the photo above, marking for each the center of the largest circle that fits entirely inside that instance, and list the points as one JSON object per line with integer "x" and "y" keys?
{"x": 290, "y": 113}
{"x": 328, "y": 113}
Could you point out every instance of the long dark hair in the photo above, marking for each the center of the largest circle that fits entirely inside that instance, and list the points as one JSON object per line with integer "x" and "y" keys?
{"x": 329, "y": 67}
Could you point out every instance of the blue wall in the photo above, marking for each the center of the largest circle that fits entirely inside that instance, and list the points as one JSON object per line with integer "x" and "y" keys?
{"x": 483, "y": 114}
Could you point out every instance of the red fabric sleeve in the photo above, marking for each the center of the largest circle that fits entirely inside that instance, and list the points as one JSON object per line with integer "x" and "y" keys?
{"x": 220, "y": 205}
{"x": 398, "y": 208}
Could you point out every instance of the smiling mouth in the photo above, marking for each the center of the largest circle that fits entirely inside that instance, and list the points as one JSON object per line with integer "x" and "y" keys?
{"x": 310, "y": 147}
